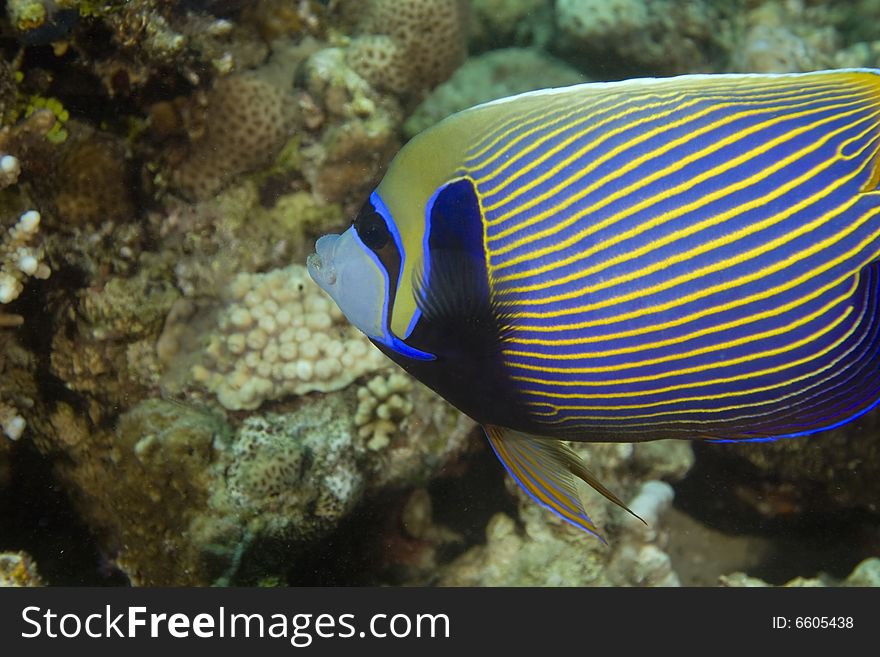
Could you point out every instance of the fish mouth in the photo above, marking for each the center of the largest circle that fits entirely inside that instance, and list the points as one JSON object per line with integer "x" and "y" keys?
{"x": 320, "y": 263}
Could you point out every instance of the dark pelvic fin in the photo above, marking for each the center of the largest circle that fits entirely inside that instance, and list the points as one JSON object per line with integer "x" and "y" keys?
{"x": 455, "y": 305}
{"x": 452, "y": 285}
{"x": 546, "y": 470}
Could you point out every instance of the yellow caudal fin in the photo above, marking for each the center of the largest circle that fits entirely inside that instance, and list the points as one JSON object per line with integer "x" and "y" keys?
{"x": 547, "y": 470}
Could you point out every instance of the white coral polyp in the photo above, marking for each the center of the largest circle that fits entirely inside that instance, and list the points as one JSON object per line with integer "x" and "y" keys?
{"x": 10, "y": 288}
{"x": 18, "y": 259}
{"x": 280, "y": 335}
{"x": 12, "y": 424}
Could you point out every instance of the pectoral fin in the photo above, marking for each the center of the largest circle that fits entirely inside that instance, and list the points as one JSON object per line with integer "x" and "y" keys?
{"x": 546, "y": 468}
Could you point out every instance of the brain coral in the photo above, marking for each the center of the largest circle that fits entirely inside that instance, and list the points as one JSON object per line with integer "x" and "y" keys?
{"x": 381, "y": 61}
{"x": 281, "y": 335}
{"x": 247, "y": 122}
{"x": 426, "y": 42}
{"x": 90, "y": 184}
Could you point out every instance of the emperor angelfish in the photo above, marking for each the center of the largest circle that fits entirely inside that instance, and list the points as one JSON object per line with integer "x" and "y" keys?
{"x": 691, "y": 257}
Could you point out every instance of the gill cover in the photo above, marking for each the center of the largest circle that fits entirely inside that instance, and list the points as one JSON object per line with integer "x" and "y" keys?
{"x": 345, "y": 271}
{"x": 360, "y": 270}
{"x": 371, "y": 270}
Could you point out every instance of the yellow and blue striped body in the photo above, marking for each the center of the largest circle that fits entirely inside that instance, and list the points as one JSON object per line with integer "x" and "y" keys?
{"x": 688, "y": 259}
{"x": 691, "y": 257}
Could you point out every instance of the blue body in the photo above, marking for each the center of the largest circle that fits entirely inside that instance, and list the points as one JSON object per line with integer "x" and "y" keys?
{"x": 689, "y": 261}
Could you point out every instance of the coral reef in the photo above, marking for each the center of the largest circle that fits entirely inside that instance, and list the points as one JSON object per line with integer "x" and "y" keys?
{"x": 209, "y": 413}
{"x": 209, "y": 242}
{"x": 501, "y": 23}
{"x": 148, "y": 41}
{"x": 383, "y": 404}
{"x": 641, "y": 36}
{"x": 357, "y": 125}
{"x": 539, "y": 549}
{"x": 798, "y": 35}
{"x": 411, "y": 543}
{"x": 17, "y": 569}
{"x": 18, "y": 393}
{"x": 19, "y": 259}
{"x": 490, "y": 76}
{"x": 380, "y": 61}
{"x": 10, "y": 170}
{"x": 867, "y": 573}
{"x": 22, "y": 251}
{"x": 297, "y": 474}
{"x": 247, "y": 123}
{"x": 350, "y": 154}
{"x": 41, "y": 21}
{"x": 11, "y": 422}
{"x": 826, "y": 472}
{"x": 281, "y": 335}
{"x": 90, "y": 185}
{"x": 784, "y": 37}
{"x": 178, "y": 496}
{"x": 275, "y": 19}
{"x": 109, "y": 331}
{"x": 409, "y": 46}
{"x": 144, "y": 484}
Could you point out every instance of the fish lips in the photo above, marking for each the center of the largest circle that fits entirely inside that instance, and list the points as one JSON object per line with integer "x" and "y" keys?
{"x": 321, "y": 264}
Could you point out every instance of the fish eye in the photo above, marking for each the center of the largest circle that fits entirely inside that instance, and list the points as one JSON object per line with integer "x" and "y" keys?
{"x": 371, "y": 228}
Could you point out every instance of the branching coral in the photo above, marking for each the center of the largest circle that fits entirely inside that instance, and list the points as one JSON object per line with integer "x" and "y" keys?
{"x": 19, "y": 259}
{"x": 382, "y": 404}
{"x": 21, "y": 255}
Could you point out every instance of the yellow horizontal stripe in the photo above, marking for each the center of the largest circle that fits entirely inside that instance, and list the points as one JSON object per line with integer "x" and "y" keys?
{"x": 634, "y": 163}
{"x": 755, "y": 337}
{"x": 661, "y": 173}
{"x": 594, "y": 126}
{"x": 552, "y": 104}
{"x": 539, "y": 119}
{"x": 687, "y": 370}
{"x": 778, "y": 266}
{"x": 708, "y": 411}
{"x": 659, "y": 328}
{"x": 592, "y": 96}
{"x": 777, "y": 192}
{"x": 535, "y": 164}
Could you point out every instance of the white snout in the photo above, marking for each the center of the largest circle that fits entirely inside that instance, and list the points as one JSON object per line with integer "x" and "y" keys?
{"x": 350, "y": 273}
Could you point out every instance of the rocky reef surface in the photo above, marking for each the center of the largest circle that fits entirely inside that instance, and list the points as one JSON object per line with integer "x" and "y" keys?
{"x": 180, "y": 405}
